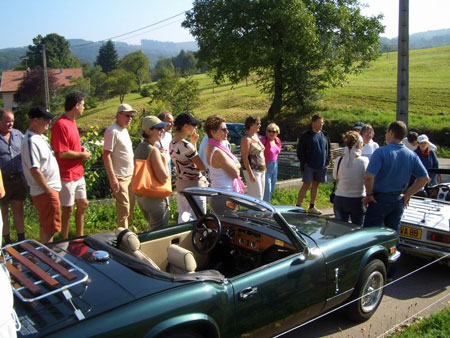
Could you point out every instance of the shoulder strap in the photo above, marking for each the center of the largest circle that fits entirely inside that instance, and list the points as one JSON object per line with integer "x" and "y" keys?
{"x": 211, "y": 156}
{"x": 339, "y": 163}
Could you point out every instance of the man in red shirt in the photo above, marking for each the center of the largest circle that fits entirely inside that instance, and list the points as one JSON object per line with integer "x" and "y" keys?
{"x": 66, "y": 144}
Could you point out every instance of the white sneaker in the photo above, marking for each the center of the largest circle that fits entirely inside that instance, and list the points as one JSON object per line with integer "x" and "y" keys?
{"x": 314, "y": 211}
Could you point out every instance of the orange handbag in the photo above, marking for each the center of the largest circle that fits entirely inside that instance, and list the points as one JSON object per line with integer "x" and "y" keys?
{"x": 144, "y": 182}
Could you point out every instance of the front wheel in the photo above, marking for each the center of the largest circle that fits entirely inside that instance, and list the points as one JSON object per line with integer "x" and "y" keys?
{"x": 370, "y": 289}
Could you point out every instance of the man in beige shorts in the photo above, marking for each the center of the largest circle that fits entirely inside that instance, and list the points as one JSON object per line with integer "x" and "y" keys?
{"x": 118, "y": 160}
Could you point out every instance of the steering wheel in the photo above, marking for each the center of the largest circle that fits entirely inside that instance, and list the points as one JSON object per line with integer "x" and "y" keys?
{"x": 207, "y": 237}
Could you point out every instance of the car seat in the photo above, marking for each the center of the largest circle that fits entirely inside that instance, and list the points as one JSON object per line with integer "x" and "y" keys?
{"x": 128, "y": 242}
{"x": 181, "y": 261}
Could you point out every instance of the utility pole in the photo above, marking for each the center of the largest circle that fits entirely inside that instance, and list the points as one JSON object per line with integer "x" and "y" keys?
{"x": 47, "y": 94}
{"x": 403, "y": 62}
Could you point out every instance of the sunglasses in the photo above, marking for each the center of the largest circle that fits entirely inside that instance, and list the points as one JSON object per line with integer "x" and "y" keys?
{"x": 271, "y": 131}
{"x": 225, "y": 130}
{"x": 130, "y": 116}
{"x": 157, "y": 128}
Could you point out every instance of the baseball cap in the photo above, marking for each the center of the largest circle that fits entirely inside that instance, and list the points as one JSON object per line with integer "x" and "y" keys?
{"x": 124, "y": 107}
{"x": 186, "y": 118}
{"x": 40, "y": 111}
{"x": 358, "y": 125}
{"x": 152, "y": 122}
{"x": 423, "y": 138}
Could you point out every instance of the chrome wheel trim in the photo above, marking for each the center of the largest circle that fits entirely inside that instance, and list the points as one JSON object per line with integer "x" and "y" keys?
{"x": 370, "y": 297}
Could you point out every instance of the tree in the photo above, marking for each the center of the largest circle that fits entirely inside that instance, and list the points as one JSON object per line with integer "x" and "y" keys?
{"x": 57, "y": 52}
{"x": 31, "y": 92}
{"x": 138, "y": 64}
{"x": 185, "y": 63}
{"x": 107, "y": 57}
{"x": 32, "y": 88}
{"x": 182, "y": 95}
{"x": 164, "y": 68}
{"x": 120, "y": 83}
{"x": 296, "y": 47}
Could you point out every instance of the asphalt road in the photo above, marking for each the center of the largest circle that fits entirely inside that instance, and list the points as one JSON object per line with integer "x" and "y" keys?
{"x": 404, "y": 298}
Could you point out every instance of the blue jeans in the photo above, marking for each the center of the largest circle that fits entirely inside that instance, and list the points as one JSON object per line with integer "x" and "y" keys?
{"x": 345, "y": 207}
{"x": 271, "y": 179}
{"x": 386, "y": 212}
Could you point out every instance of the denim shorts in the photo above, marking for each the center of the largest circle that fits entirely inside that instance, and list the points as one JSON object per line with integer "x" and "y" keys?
{"x": 314, "y": 175}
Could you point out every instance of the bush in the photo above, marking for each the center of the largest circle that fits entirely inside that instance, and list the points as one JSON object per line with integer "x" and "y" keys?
{"x": 145, "y": 92}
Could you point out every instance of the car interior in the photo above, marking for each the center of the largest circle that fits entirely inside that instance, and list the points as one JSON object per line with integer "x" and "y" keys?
{"x": 236, "y": 248}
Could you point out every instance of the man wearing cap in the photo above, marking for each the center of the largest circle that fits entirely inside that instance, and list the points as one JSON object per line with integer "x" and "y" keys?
{"x": 118, "y": 160}
{"x": 387, "y": 177}
{"x": 66, "y": 144}
{"x": 164, "y": 144}
{"x": 42, "y": 173}
{"x": 14, "y": 181}
{"x": 358, "y": 126}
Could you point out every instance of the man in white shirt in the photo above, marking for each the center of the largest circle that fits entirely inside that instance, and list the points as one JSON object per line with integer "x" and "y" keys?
{"x": 166, "y": 138}
{"x": 119, "y": 163}
{"x": 41, "y": 171}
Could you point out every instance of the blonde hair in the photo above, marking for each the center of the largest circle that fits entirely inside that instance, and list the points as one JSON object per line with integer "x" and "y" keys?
{"x": 273, "y": 126}
{"x": 351, "y": 138}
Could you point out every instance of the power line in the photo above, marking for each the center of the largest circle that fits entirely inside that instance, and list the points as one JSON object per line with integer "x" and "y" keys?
{"x": 151, "y": 30}
{"x": 134, "y": 31}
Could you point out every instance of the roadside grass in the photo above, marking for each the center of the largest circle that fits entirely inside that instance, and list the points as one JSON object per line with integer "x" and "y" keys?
{"x": 101, "y": 214}
{"x": 437, "y": 325}
{"x": 369, "y": 96}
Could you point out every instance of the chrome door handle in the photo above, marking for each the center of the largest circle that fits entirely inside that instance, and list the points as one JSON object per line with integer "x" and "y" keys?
{"x": 248, "y": 292}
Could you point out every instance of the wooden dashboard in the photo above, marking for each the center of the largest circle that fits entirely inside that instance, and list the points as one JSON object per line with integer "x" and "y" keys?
{"x": 250, "y": 239}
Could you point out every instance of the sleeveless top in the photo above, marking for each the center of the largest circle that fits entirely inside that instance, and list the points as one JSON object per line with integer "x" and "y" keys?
{"x": 143, "y": 150}
{"x": 219, "y": 178}
{"x": 256, "y": 155}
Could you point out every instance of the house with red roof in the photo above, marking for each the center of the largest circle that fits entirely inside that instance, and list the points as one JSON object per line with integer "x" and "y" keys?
{"x": 11, "y": 80}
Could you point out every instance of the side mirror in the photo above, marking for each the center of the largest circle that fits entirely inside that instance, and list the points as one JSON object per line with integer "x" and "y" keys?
{"x": 305, "y": 254}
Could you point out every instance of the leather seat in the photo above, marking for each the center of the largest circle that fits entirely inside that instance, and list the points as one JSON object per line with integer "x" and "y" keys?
{"x": 128, "y": 242}
{"x": 181, "y": 261}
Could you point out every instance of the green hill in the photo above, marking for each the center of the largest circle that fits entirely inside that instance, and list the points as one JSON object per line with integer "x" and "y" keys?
{"x": 368, "y": 97}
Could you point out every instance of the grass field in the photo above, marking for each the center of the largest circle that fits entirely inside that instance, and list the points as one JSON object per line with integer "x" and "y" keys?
{"x": 369, "y": 97}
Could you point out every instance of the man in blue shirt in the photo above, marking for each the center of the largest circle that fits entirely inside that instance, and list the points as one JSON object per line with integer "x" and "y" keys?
{"x": 13, "y": 179}
{"x": 313, "y": 152}
{"x": 387, "y": 177}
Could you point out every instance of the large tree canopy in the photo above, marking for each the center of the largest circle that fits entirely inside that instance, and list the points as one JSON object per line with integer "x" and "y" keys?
{"x": 107, "y": 57}
{"x": 138, "y": 64}
{"x": 297, "y": 47}
{"x": 57, "y": 51}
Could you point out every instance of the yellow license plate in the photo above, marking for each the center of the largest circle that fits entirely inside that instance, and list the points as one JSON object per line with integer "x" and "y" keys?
{"x": 410, "y": 232}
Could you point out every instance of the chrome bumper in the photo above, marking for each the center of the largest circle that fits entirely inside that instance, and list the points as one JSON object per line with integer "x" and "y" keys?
{"x": 423, "y": 250}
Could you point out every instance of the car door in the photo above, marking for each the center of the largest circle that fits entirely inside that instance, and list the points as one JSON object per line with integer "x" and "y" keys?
{"x": 274, "y": 291}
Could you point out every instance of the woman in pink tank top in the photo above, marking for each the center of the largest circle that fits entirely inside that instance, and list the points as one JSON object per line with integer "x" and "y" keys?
{"x": 272, "y": 146}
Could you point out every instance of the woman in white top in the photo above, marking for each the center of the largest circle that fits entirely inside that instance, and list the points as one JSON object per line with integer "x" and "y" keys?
{"x": 349, "y": 172}
{"x": 224, "y": 167}
{"x": 7, "y": 314}
{"x": 369, "y": 147}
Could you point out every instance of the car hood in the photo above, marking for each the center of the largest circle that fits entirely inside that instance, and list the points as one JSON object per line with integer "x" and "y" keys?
{"x": 109, "y": 285}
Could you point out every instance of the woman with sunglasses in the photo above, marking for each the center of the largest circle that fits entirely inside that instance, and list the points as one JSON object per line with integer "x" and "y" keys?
{"x": 224, "y": 167}
{"x": 155, "y": 210}
{"x": 254, "y": 164}
{"x": 272, "y": 146}
{"x": 188, "y": 164}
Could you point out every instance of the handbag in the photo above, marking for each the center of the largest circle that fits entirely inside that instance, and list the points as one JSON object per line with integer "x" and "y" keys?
{"x": 144, "y": 182}
{"x": 334, "y": 182}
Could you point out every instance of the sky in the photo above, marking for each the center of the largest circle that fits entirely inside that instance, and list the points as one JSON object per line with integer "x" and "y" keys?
{"x": 104, "y": 19}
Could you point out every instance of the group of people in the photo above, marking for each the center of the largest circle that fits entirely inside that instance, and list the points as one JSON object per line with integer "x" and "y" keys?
{"x": 366, "y": 175}
{"x": 53, "y": 171}
{"x": 374, "y": 183}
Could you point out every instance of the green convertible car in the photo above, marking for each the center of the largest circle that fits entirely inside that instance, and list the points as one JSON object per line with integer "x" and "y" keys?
{"x": 232, "y": 271}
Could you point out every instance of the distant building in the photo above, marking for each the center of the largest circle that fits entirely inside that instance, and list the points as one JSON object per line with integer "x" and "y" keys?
{"x": 11, "y": 80}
